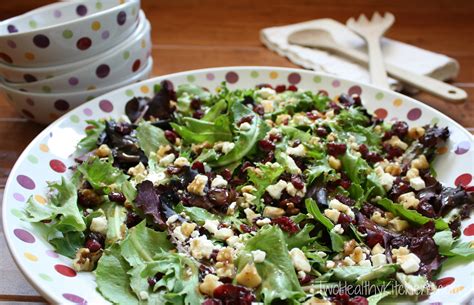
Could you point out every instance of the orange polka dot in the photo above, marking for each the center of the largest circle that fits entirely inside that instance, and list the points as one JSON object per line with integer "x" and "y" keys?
{"x": 29, "y": 56}
{"x": 456, "y": 289}
{"x": 44, "y": 147}
{"x": 40, "y": 199}
{"x": 397, "y": 102}
{"x": 95, "y": 26}
{"x": 144, "y": 89}
{"x": 273, "y": 75}
{"x": 30, "y": 257}
{"x": 442, "y": 150}
{"x": 121, "y": 1}
{"x": 143, "y": 44}
{"x": 53, "y": 116}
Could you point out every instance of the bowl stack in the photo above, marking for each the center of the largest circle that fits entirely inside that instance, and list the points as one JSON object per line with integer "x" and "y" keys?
{"x": 57, "y": 57}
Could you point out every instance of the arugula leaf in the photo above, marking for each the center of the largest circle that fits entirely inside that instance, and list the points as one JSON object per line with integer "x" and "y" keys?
{"x": 373, "y": 184}
{"x": 101, "y": 174}
{"x": 197, "y": 214}
{"x": 62, "y": 204}
{"x": 112, "y": 279}
{"x": 352, "y": 116}
{"x": 410, "y": 215}
{"x": 279, "y": 280}
{"x": 337, "y": 241}
{"x": 246, "y": 140}
{"x": 142, "y": 243}
{"x": 150, "y": 137}
{"x": 265, "y": 175}
{"x": 295, "y": 133}
{"x": 313, "y": 209}
{"x": 447, "y": 246}
{"x": 199, "y": 131}
{"x": 300, "y": 239}
{"x": 355, "y": 167}
{"x": 89, "y": 142}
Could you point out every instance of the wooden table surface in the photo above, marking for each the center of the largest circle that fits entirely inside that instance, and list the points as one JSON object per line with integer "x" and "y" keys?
{"x": 192, "y": 34}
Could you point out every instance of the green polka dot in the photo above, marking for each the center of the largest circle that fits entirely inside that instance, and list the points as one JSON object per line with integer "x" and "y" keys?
{"x": 317, "y": 79}
{"x": 129, "y": 92}
{"x": 254, "y": 74}
{"x": 98, "y": 5}
{"x": 16, "y": 213}
{"x": 46, "y": 89}
{"x": 45, "y": 277}
{"x": 75, "y": 118}
{"x": 67, "y": 34}
{"x": 32, "y": 159}
{"x": 435, "y": 121}
{"x": 134, "y": 11}
{"x": 379, "y": 96}
{"x": 33, "y": 24}
{"x": 126, "y": 55}
{"x": 191, "y": 78}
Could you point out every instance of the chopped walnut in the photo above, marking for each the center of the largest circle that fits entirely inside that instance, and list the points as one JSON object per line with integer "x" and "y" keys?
{"x": 85, "y": 260}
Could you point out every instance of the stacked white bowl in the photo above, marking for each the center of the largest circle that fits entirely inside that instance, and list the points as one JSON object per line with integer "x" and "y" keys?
{"x": 59, "y": 56}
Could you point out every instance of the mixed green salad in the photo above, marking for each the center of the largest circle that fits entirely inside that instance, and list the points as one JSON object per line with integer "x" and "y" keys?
{"x": 271, "y": 194}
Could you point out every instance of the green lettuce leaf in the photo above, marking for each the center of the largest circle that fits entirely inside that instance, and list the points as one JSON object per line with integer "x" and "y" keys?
{"x": 196, "y": 214}
{"x": 376, "y": 298}
{"x": 116, "y": 229}
{"x": 199, "y": 131}
{"x": 355, "y": 167}
{"x": 215, "y": 111}
{"x": 67, "y": 243}
{"x": 89, "y": 142}
{"x": 414, "y": 284}
{"x": 300, "y": 239}
{"x": 447, "y": 246}
{"x": 313, "y": 209}
{"x": 359, "y": 274}
{"x": 318, "y": 168}
{"x": 150, "y": 137}
{"x": 260, "y": 180}
{"x": 101, "y": 174}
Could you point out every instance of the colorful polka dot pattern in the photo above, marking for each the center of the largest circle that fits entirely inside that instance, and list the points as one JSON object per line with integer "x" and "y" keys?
{"x": 25, "y": 184}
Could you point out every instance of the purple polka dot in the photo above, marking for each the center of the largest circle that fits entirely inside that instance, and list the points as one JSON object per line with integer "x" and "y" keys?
{"x": 57, "y": 13}
{"x": 105, "y": 35}
{"x": 355, "y": 90}
{"x": 294, "y": 78}
{"x": 462, "y": 147}
{"x": 106, "y": 106}
{"x": 81, "y": 10}
{"x": 5, "y": 57}
{"x": 41, "y": 41}
{"x": 210, "y": 76}
{"x": 29, "y": 78}
{"x": 24, "y": 235}
{"x": 61, "y": 105}
{"x": 52, "y": 253}
{"x": 231, "y": 77}
{"x": 28, "y": 114}
{"x": 436, "y": 303}
{"x": 336, "y": 83}
{"x": 18, "y": 197}
{"x": 11, "y": 28}
{"x": 102, "y": 71}
{"x": 11, "y": 44}
{"x": 414, "y": 114}
{"x": 121, "y": 18}
{"x": 74, "y": 298}
{"x": 30, "y": 102}
{"x": 26, "y": 182}
{"x": 73, "y": 81}
{"x": 87, "y": 111}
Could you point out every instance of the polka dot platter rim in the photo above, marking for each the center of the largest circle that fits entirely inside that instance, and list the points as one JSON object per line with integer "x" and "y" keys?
{"x": 49, "y": 155}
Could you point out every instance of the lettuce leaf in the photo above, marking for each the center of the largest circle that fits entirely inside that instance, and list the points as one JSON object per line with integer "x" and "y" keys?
{"x": 199, "y": 131}
{"x": 260, "y": 180}
{"x": 359, "y": 274}
{"x": 447, "y": 246}
{"x": 101, "y": 174}
{"x": 89, "y": 142}
{"x": 313, "y": 209}
{"x": 300, "y": 239}
{"x": 196, "y": 214}
{"x": 150, "y": 137}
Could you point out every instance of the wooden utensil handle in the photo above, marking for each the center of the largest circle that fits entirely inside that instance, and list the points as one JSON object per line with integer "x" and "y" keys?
{"x": 378, "y": 74}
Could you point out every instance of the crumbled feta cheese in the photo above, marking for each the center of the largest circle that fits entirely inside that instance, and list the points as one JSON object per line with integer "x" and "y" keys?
{"x": 291, "y": 190}
{"x": 218, "y": 182}
{"x": 209, "y": 283}
{"x": 195, "y": 234}
{"x": 299, "y": 151}
{"x": 224, "y": 233}
{"x": 249, "y": 198}
{"x": 408, "y": 200}
{"x": 201, "y": 247}
{"x": 332, "y": 214}
{"x": 245, "y": 126}
{"x": 268, "y": 106}
{"x": 321, "y": 254}
{"x": 410, "y": 263}
{"x": 167, "y": 160}
{"x": 378, "y": 259}
{"x": 417, "y": 183}
{"x": 251, "y": 215}
{"x": 348, "y": 261}
{"x": 386, "y": 180}
{"x": 231, "y": 208}
{"x": 99, "y": 225}
{"x": 396, "y": 142}
{"x": 341, "y": 207}
{"x": 338, "y": 229}
{"x": 258, "y": 256}
{"x": 231, "y": 241}
{"x": 301, "y": 274}
{"x": 276, "y": 189}
{"x": 412, "y": 173}
{"x": 299, "y": 260}
{"x": 211, "y": 225}
{"x": 197, "y": 185}
{"x": 330, "y": 264}
{"x": 144, "y": 295}
{"x": 157, "y": 177}
{"x": 227, "y": 147}
{"x": 377, "y": 249}
{"x": 248, "y": 189}
{"x": 181, "y": 161}
{"x": 264, "y": 221}
{"x": 172, "y": 219}
{"x": 266, "y": 92}
{"x": 178, "y": 234}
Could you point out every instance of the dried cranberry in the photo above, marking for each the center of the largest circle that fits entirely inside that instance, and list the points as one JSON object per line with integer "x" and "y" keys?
{"x": 392, "y": 151}
{"x": 226, "y": 174}
{"x": 274, "y": 137}
{"x": 399, "y": 241}
{"x": 234, "y": 295}
{"x": 280, "y": 88}
{"x": 117, "y": 197}
{"x": 322, "y": 132}
{"x": 219, "y": 196}
{"x": 245, "y": 119}
{"x": 357, "y": 100}
{"x": 358, "y": 301}
{"x": 426, "y": 209}
{"x": 93, "y": 245}
{"x": 214, "y": 253}
{"x": 132, "y": 219}
{"x": 267, "y": 199}
{"x": 336, "y": 149}
{"x": 363, "y": 149}
{"x": 212, "y": 302}
{"x": 398, "y": 188}
{"x": 374, "y": 238}
{"x": 346, "y": 200}
{"x": 258, "y": 109}
{"x": 247, "y": 229}
{"x": 292, "y": 88}
{"x": 400, "y": 129}
{"x": 199, "y": 166}
{"x": 153, "y": 280}
{"x": 342, "y": 297}
{"x": 335, "y": 107}
{"x": 345, "y": 183}
{"x": 195, "y": 103}
{"x": 297, "y": 182}
{"x": 306, "y": 279}
{"x": 170, "y": 136}
{"x": 198, "y": 114}
{"x": 266, "y": 145}
{"x": 286, "y": 224}
{"x": 311, "y": 116}
{"x": 373, "y": 157}
{"x": 344, "y": 220}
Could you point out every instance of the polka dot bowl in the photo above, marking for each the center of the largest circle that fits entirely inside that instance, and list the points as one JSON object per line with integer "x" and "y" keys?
{"x": 14, "y": 74}
{"x": 120, "y": 63}
{"x": 39, "y": 39}
{"x": 49, "y": 156}
{"x": 44, "y": 108}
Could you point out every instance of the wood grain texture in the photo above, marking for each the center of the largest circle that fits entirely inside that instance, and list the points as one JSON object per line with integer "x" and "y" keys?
{"x": 193, "y": 34}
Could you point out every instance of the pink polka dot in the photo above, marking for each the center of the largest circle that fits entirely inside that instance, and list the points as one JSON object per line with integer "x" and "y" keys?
{"x": 26, "y": 182}
{"x": 65, "y": 270}
{"x": 52, "y": 254}
{"x": 105, "y": 35}
{"x": 462, "y": 147}
{"x": 414, "y": 114}
{"x": 381, "y": 113}
{"x": 469, "y": 230}
{"x": 57, "y": 166}
{"x": 355, "y": 90}
{"x": 87, "y": 111}
{"x": 210, "y": 76}
{"x": 18, "y": 197}
{"x": 231, "y": 77}
{"x": 294, "y": 78}
{"x": 463, "y": 180}
{"x": 11, "y": 44}
{"x": 24, "y": 236}
{"x": 57, "y": 13}
{"x": 106, "y": 106}
{"x": 74, "y": 298}
{"x": 73, "y": 81}
{"x": 336, "y": 83}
